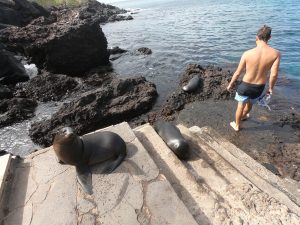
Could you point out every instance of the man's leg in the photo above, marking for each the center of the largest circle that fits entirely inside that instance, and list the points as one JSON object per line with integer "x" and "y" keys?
{"x": 238, "y": 116}
{"x": 246, "y": 110}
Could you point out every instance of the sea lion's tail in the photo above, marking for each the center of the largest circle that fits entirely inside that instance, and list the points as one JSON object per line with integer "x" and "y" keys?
{"x": 114, "y": 164}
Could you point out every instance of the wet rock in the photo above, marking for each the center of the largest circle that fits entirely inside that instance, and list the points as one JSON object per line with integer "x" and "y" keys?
{"x": 5, "y": 92}
{"x": 98, "y": 11}
{"x": 115, "y": 18}
{"x": 11, "y": 70}
{"x": 68, "y": 45}
{"x": 47, "y": 87}
{"x": 212, "y": 85}
{"x": 145, "y": 51}
{"x": 117, "y": 50}
{"x": 16, "y": 110}
{"x": 19, "y": 12}
{"x": 119, "y": 101}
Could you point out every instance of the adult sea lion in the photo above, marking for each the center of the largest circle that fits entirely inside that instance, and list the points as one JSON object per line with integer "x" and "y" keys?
{"x": 91, "y": 149}
{"x": 192, "y": 85}
{"x": 173, "y": 138}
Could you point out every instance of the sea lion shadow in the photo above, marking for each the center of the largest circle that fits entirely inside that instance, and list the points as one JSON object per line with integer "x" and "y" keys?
{"x": 128, "y": 165}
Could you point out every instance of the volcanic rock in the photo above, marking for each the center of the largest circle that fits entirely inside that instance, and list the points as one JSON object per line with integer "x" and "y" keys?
{"x": 5, "y": 92}
{"x": 15, "y": 110}
{"x": 19, "y": 12}
{"x": 64, "y": 44}
{"x": 119, "y": 101}
{"x": 47, "y": 87}
{"x": 212, "y": 85}
{"x": 145, "y": 51}
{"x": 11, "y": 70}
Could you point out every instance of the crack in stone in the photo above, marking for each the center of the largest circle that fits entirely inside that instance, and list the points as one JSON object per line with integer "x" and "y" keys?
{"x": 121, "y": 195}
{"x": 144, "y": 215}
{"x": 51, "y": 180}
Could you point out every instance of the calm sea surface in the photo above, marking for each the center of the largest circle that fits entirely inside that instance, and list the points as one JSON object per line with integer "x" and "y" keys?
{"x": 180, "y": 32}
{"x": 204, "y": 32}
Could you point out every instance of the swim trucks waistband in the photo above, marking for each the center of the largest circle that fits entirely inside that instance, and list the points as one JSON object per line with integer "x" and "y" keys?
{"x": 252, "y": 91}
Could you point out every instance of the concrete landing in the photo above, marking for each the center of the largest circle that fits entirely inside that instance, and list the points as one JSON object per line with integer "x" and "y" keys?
{"x": 215, "y": 191}
{"x": 4, "y": 166}
{"x": 41, "y": 191}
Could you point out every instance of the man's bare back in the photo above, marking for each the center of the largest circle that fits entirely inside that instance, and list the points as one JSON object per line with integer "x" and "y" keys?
{"x": 257, "y": 63}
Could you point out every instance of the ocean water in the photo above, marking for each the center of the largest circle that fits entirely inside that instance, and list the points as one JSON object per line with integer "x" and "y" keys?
{"x": 217, "y": 32}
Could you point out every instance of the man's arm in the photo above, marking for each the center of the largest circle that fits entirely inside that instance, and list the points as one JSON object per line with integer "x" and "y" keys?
{"x": 274, "y": 73}
{"x": 238, "y": 72}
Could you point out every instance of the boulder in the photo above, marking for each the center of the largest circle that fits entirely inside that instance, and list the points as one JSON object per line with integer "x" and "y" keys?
{"x": 145, "y": 51}
{"x": 47, "y": 87}
{"x": 19, "y": 12}
{"x": 68, "y": 45}
{"x": 119, "y": 101}
{"x": 115, "y": 18}
{"x": 117, "y": 50}
{"x": 16, "y": 110}
{"x": 11, "y": 70}
{"x": 5, "y": 92}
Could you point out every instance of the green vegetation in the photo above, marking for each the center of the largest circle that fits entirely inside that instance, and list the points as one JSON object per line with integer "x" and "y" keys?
{"x": 48, "y": 3}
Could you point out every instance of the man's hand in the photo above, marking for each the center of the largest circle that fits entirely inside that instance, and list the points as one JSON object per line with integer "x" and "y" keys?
{"x": 229, "y": 87}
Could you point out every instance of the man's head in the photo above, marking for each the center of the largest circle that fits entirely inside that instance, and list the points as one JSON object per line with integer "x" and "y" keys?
{"x": 264, "y": 33}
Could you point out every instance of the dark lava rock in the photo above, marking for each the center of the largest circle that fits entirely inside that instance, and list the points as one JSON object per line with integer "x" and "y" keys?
{"x": 16, "y": 110}
{"x": 98, "y": 11}
{"x": 115, "y": 18}
{"x": 11, "y": 70}
{"x": 47, "y": 87}
{"x": 145, "y": 51}
{"x": 69, "y": 45}
{"x": 5, "y": 92}
{"x": 117, "y": 50}
{"x": 212, "y": 85}
{"x": 19, "y": 12}
{"x": 119, "y": 101}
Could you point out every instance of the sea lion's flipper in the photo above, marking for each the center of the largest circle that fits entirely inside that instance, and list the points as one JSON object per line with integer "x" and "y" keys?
{"x": 114, "y": 164}
{"x": 84, "y": 178}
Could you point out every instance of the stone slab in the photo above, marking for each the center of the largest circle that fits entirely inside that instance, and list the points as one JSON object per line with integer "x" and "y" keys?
{"x": 42, "y": 191}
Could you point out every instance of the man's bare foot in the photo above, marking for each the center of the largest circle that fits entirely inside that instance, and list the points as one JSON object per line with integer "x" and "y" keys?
{"x": 234, "y": 126}
{"x": 245, "y": 117}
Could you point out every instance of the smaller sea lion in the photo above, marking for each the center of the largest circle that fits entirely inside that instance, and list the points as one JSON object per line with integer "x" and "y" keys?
{"x": 192, "y": 85}
{"x": 173, "y": 138}
{"x": 87, "y": 150}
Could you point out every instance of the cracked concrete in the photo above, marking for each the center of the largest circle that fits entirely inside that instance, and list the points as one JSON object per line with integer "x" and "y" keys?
{"x": 42, "y": 191}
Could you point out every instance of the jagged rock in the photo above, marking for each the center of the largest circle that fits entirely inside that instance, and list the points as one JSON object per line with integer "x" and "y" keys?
{"x": 5, "y": 92}
{"x": 16, "y": 110}
{"x": 145, "y": 51}
{"x": 212, "y": 85}
{"x": 115, "y": 18}
{"x": 99, "y": 11}
{"x": 119, "y": 101}
{"x": 11, "y": 70}
{"x": 64, "y": 44}
{"x": 19, "y": 12}
{"x": 117, "y": 50}
{"x": 47, "y": 87}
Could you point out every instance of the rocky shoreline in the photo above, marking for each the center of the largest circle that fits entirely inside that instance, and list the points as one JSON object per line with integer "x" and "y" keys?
{"x": 70, "y": 51}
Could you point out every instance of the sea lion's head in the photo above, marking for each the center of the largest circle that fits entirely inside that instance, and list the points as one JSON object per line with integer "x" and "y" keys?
{"x": 67, "y": 146}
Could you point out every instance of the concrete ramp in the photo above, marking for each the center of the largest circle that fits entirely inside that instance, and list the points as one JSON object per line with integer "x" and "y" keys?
{"x": 41, "y": 191}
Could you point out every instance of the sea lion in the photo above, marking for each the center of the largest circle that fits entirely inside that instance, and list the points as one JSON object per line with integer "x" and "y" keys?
{"x": 173, "y": 138}
{"x": 91, "y": 149}
{"x": 192, "y": 85}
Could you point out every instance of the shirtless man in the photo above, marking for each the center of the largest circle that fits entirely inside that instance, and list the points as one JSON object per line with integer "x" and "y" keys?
{"x": 257, "y": 62}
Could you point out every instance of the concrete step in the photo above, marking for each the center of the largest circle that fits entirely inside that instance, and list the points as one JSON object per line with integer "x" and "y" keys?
{"x": 213, "y": 190}
{"x": 41, "y": 191}
{"x": 285, "y": 191}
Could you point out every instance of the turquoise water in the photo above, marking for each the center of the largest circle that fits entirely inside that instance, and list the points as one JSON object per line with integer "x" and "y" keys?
{"x": 205, "y": 32}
